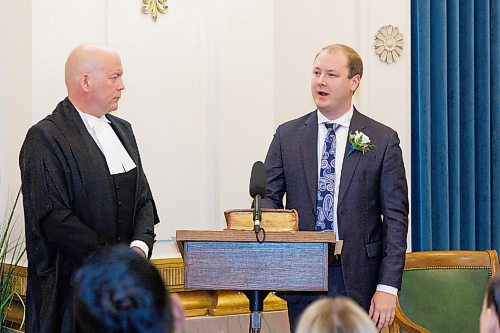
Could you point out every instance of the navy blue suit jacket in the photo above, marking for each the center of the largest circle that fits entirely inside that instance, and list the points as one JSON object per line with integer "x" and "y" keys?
{"x": 372, "y": 210}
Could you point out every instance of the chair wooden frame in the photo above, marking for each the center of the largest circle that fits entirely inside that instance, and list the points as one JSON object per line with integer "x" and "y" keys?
{"x": 442, "y": 259}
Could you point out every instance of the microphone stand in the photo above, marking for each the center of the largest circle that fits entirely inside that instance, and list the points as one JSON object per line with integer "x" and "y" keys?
{"x": 256, "y": 297}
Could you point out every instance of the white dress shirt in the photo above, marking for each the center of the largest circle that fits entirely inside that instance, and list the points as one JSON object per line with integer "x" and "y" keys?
{"x": 117, "y": 157}
{"x": 340, "y": 144}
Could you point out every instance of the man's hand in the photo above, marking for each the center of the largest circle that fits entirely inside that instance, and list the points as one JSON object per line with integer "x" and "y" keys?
{"x": 382, "y": 309}
{"x": 139, "y": 251}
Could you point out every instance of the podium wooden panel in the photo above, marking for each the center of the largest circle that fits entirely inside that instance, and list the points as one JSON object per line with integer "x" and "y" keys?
{"x": 234, "y": 260}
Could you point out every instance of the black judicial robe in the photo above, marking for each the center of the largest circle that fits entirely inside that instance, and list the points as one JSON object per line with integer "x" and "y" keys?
{"x": 70, "y": 210}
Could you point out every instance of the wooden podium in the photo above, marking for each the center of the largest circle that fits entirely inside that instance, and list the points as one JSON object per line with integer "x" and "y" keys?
{"x": 235, "y": 260}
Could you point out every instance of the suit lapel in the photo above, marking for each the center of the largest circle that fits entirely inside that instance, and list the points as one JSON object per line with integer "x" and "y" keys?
{"x": 351, "y": 161}
{"x": 308, "y": 138}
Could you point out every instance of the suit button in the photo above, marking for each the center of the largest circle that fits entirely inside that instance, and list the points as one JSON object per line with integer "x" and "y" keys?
{"x": 117, "y": 187}
{"x": 119, "y": 238}
{"x": 119, "y": 203}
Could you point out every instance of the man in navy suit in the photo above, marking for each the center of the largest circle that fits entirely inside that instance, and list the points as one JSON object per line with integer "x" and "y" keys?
{"x": 358, "y": 190}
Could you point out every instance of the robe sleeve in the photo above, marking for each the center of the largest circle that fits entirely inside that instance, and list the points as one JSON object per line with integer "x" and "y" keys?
{"x": 48, "y": 201}
{"x": 143, "y": 226}
{"x": 146, "y": 215}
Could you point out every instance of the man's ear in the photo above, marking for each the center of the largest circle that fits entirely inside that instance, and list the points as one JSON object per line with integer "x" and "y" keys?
{"x": 355, "y": 82}
{"x": 85, "y": 82}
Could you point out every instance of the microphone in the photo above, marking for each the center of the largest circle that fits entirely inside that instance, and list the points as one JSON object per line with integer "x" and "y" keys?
{"x": 258, "y": 192}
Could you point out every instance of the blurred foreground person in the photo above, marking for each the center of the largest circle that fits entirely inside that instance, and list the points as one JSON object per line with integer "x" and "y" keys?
{"x": 119, "y": 291}
{"x": 335, "y": 315}
{"x": 490, "y": 315}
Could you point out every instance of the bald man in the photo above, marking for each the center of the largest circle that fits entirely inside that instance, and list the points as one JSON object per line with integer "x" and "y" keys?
{"x": 83, "y": 187}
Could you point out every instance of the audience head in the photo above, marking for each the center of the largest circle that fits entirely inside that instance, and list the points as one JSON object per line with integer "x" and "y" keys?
{"x": 119, "y": 291}
{"x": 335, "y": 315}
{"x": 490, "y": 315}
{"x": 93, "y": 76}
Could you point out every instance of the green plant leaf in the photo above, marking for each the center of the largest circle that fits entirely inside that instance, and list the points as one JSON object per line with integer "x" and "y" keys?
{"x": 11, "y": 253}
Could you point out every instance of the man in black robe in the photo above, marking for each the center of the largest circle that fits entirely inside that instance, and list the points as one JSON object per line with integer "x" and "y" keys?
{"x": 83, "y": 187}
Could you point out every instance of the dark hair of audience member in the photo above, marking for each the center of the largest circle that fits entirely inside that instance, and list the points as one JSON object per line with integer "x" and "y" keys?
{"x": 119, "y": 291}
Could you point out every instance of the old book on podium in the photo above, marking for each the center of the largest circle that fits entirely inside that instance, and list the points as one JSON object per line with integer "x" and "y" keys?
{"x": 235, "y": 260}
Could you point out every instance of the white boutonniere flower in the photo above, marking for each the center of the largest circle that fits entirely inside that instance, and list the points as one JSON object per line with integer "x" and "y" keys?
{"x": 359, "y": 141}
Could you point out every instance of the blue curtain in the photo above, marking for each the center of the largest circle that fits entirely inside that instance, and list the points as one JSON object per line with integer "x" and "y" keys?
{"x": 455, "y": 125}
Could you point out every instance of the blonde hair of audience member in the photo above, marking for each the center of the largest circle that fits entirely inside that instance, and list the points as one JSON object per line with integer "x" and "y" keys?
{"x": 489, "y": 321}
{"x": 335, "y": 315}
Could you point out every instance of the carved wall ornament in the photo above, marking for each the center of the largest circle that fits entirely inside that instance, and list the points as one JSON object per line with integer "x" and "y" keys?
{"x": 153, "y": 7}
{"x": 389, "y": 43}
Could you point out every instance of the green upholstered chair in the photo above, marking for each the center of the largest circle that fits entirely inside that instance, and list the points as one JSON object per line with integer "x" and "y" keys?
{"x": 443, "y": 291}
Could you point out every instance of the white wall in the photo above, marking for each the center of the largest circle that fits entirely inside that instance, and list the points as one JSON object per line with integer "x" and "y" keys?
{"x": 206, "y": 85}
{"x": 15, "y": 99}
{"x": 244, "y": 95}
